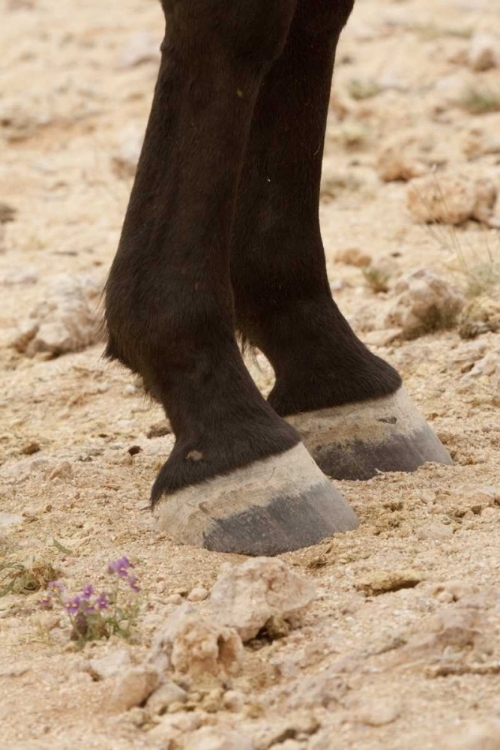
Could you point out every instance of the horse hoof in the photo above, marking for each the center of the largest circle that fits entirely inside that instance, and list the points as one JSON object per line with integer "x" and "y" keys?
{"x": 274, "y": 505}
{"x": 357, "y": 441}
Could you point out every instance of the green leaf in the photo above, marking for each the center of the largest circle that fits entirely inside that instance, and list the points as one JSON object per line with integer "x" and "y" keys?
{"x": 61, "y": 547}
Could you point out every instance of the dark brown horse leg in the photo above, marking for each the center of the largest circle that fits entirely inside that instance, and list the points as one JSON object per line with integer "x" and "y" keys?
{"x": 282, "y": 295}
{"x": 238, "y": 479}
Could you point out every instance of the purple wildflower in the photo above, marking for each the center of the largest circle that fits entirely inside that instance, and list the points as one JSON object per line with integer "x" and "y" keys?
{"x": 102, "y": 601}
{"x": 120, "y": 566}
{"x": 56, "y": 585}
{"x": 87, "y": 591}
{"x": 73, "y": 605}
{"x": 132, "y": 580}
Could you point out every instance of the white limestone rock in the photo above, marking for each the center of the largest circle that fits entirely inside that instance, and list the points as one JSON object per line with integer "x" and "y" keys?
{"x": 193, "y": 644}
{"x": 164, "y": 696}
{"x": 425, "y": 302}
{"x": 110, "y": 664}
{"x": 379, "y": 712}
{"x": 246, "y": 596}
{"x": 133, "y": 686}
{"x": 174, "y": 726}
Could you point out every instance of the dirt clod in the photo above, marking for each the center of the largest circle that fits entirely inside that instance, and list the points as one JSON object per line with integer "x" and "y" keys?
{"x": 383, "y": 582}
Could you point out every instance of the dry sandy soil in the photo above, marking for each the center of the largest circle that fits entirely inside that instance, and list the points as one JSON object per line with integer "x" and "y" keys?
{"x": 411, "y": 668}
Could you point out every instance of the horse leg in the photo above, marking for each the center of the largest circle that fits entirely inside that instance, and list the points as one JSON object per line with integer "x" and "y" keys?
{"x": 348, "y": 404}
{"x": 238, "y": 478}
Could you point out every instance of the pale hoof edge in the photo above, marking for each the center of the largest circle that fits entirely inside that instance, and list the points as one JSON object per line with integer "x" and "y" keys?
{"x": 357, "y": 441}
{"x": 274, "y": 505}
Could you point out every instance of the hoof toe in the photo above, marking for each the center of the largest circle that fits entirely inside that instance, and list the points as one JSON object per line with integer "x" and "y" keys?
{"x": 357, "y": 441}
{"x": 274, "y": 505}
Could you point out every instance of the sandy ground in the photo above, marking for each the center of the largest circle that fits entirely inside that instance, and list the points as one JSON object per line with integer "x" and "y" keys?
{"x": 412, "y": 668}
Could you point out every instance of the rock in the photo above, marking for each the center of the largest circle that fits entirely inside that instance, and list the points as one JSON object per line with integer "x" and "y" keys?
{"x": 486, "y": 198}
{"x": 140, "y": 47}
{"x": 174, "y": 599}
{"x": 233, "y": 700}
{"x": 212, "y": 701}
{"x": 324, "y": 740}
{"x": 22, "y": 116}
{"x": 195, "y": 645}
{"x": 246, "y": 596}
{"x": 353, "y": 256}
{"x": 488, "y": 366}
{"x": 384, "y": 581}
{"x": 164, "y": 696}
{"x": 467, "y": 355}
{"x": 124, "y": 159}
{"x": 217, "y": 738}
{"x": 159, "y": 429}
{"x": 425, "y": 302}
{"x": 481, "y": 735}
{"x": 133, "y": 686}
{"x": 475, "y": 498}
{"x": 174, "y": 726}
{"x": 449, "y": 198}
{"x": 197, "y": 594}
{"x": 477, "y": 142}
{"x": 137, "y": 717}
{"x": 435, "y": 531}
{"x": 394, "y": 163}
{"x": 111, "y": 664}
{"x": 484, "y": 52}
{"x": 62, "y": 471}
{"x": 479, "y": 316}
{"x": 66, "y": 322}
{"x": 378, "y": 713}
{"x": 326, "y": 688}
{"x": 30, "y": 448}
{"x": 7, "y": 212}
{"x": 458, "y": 626}
{"x": 385, "y": 337}
{"x": 453, "y": 591}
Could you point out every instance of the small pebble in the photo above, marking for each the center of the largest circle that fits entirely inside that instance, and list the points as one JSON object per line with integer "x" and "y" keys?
{"x": 62, "y": 471}
{"x": 379, "y": 713}
{"x": 233, "y": 700}
{"x": 30, "y": 448}
{"x": 197, "y": 594}
{"x": 174, "y": 599}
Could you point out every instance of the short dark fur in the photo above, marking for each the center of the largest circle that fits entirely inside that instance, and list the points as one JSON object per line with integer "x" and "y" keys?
{"x": 222, "y": 232}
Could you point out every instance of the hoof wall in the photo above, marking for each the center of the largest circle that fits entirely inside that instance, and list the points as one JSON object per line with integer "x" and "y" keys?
{"x": 275, "y": 505}
{"x": 357, "y": 441}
